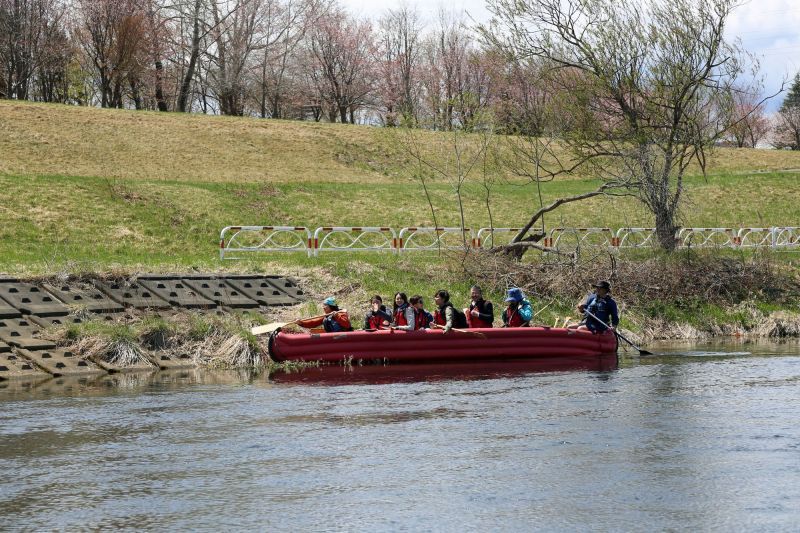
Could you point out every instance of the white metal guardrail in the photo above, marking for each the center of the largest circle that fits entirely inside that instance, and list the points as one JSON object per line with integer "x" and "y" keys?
{"x": 634, "y": 238}
{"x": 434, "y": 239}
{"x": 233, "y": 239}
{"x": 351, "y": 239}
{"x": 491, "y": 237}
{"x": 570, "y": 239}
{"x": 707, "y": 237}
{"x": 240, "y": 239}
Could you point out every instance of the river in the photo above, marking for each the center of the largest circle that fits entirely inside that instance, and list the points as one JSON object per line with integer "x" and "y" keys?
{"x": 702, "y": 438}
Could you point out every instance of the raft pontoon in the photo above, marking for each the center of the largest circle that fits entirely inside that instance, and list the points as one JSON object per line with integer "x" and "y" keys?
{"x": 434, "y": 346}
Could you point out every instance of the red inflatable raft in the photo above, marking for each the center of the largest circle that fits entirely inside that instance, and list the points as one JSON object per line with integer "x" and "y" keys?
{"x": 434, "y": 346}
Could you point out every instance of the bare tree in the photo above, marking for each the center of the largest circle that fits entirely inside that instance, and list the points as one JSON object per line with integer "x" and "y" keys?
{"x": 284, "y": 26}
{"x": 341, "y": 67}
{"x": 28, "y": 29}
{"x": 749, "y": 125}
{"x": 653, "y": 90}
{"x": 399, "y": 49}
{"x": 112, "y": 33}
{"x": 445, "y": 66}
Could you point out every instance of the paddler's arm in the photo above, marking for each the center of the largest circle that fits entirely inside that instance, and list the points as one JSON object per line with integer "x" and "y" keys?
{"x": 449, "y": 315}
{"x": 309, "y": 323}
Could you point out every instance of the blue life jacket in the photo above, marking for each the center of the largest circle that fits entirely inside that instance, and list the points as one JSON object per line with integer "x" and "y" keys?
{"x": 603, "y": 308}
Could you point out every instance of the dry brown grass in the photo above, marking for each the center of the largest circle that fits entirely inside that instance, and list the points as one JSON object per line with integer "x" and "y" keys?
{"x": 53, "y": 139}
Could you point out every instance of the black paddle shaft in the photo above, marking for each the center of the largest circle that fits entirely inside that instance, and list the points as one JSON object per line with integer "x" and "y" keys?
{"x": 619, "y": 335}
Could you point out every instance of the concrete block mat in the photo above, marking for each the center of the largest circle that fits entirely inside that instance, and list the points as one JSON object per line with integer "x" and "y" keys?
{"x": 221, "y": 293}
{"x": 178, "y": 293}
{"x": 31, "y": 299}
{"x": 110, "y": 367}
{"x": 55, "y": 321}
{"x": 61, "y": 362}
{"x": 23, "y": 326}
{"x": 132, "y": 295}
{"x": 8, "y": 311}
{"x": 262, "y": 291}
{"x": 21, "y": 333}
{"x": 13, "y": 366}
{"x": 171, "y": 360}
{"x": 84, "y": 295}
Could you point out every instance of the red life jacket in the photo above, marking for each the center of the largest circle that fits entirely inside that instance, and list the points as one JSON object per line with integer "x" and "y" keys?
{"x": 515, "y": 321}
{"x": 375, "y": 322}
{"x": 420, "y": 319}
{"x": 400, "y": 316}
{"x": 475, "y": 322}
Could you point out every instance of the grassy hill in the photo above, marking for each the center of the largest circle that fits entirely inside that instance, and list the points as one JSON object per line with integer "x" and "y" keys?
{"x": 93, "y": 190}
{"x": 110, "y": 187}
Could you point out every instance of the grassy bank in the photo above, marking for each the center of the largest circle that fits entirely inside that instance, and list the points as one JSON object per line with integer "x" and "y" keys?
{"x": 88, "y": 190}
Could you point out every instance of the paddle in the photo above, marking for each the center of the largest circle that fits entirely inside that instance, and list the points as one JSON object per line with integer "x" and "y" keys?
{"x": 619, "y": 335}
{"x": 269, "y": 328}
{"x": 466, "y": 331}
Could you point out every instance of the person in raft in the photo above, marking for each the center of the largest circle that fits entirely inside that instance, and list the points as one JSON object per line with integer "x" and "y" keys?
{"x": 422, "y": 318}
{"x": 402, "y": 313}
{"x": 333, "y": 320}
{"x": 481, "y": 312}
{"x": 446, "y": 316}
{"x": 518, "y": 311}
{"x": 378, "y": 317}
{"x": 601, "y": 305}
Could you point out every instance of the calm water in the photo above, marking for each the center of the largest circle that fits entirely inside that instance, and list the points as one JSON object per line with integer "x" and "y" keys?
{"x": 706, "y": 440}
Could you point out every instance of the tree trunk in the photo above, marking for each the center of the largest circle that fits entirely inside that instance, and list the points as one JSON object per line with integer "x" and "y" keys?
{"x": 162, "y": 104}
{"x": 183, "y": 97}
{"x": 666, "y": 229}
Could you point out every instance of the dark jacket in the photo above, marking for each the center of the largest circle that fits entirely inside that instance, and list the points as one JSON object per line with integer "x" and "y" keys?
{"x": 374, "y": 320}
{"x": 604, "y": 308}
{"x": 485, "y": 314}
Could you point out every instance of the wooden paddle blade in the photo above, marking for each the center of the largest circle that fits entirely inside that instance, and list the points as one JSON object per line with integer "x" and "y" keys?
{"x": 267, "y": 328}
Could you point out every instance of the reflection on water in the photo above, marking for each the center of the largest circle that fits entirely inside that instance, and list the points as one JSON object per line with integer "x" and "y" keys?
{"x": 700, "y": 437}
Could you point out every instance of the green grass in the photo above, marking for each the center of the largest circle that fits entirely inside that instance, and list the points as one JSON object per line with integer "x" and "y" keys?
{"x": 88, "y": 190}
{"x": 53, "y": 220}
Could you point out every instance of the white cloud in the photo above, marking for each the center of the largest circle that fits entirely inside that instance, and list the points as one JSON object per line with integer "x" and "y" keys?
{"x": 766, "y": 28}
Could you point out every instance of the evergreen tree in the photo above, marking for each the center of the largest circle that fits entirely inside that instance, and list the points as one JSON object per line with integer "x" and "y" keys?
{"x": 787, "y": 130}
{"x": 792, "y": 99}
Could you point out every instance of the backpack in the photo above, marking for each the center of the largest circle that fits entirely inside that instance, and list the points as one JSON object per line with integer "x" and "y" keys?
{"x": 459, "y": 319}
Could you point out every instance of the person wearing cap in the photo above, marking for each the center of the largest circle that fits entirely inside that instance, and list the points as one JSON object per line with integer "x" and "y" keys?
{"x": 333, "y": 320}
{"x": 518, "y": 312}
{"x": 481, "y": 312}
{"x": 378, "y": 317}
{"x": 601, "y": 305}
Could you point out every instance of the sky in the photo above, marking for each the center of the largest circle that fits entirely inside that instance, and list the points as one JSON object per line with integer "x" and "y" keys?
{"x": 770, "y": 29}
